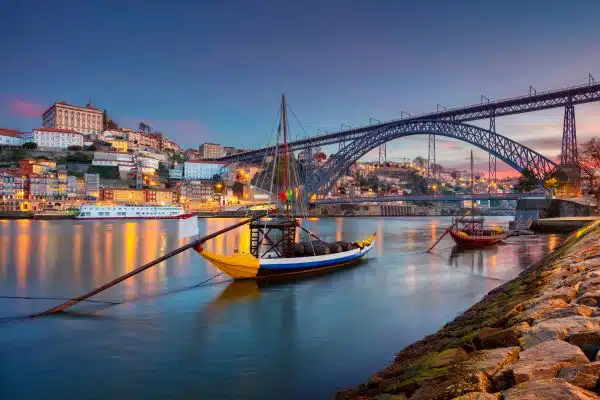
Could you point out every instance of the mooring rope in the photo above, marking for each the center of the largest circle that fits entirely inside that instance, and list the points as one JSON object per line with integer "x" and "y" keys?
{"x": 53, "y": 298}
{"x": 110, "y": 303}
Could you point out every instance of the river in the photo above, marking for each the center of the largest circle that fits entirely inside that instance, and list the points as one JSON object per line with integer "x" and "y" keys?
{"x": 171, "y": 337}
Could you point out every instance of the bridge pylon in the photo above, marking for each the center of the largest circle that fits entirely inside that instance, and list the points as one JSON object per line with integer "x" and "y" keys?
{"x": 569, "y": 153}
{"x": 382, "y": 154}
{"x": 431, "y": 158}
{"x": 569, "y": 171}
{"x": 491, "y": 157}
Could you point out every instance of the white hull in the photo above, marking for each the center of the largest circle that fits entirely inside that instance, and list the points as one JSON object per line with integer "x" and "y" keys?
{"x": 131, "y": 212}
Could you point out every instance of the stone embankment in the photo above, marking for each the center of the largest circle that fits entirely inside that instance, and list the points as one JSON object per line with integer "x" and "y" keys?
{"x": 535, "y": 337}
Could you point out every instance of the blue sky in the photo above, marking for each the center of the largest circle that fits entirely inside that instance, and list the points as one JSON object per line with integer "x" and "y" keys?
{"x": 214, "y": 70}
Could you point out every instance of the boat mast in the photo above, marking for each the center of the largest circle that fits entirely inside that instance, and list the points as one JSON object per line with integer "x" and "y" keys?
{"x": 286, "y": 172}
{"x": 472, "y": 191}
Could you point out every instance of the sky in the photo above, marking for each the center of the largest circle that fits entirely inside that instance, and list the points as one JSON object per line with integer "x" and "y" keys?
{"x": 214, "y": 71}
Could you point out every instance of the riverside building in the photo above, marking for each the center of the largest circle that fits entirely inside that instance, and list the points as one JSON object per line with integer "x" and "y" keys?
{"x": 202, "y": 169}
{"x": 211, "y": 151}
{"x": 54, "y": 138}
{"x": 63, "y": 115}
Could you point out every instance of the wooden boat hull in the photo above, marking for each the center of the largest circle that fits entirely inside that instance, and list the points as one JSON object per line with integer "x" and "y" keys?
{"x": 246, "y": 266}
{"x": 464, "y": 240}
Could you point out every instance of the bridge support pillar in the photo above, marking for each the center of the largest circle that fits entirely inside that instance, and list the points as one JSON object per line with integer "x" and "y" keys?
{"x": 569, "y": 153}
{"x": 492, "y": 158}
{"x": 568, "y": 172}
{"x": 382, "y": 154}
{"x": 431, "y": 158}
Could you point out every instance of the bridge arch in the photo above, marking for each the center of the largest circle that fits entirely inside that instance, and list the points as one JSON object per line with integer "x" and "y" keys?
{"x": 514, "y": 154}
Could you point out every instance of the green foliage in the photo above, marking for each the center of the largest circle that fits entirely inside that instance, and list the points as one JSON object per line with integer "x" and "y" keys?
{"x": 101, "y": 143}
{"x": 527, "y": 181}
{"x": 175, "y": 157}
{"x": 105, "y": 172}
{"x": 75, "y": 148}
{"x": 108, "y": 122}
{"x": 420, "y": 161}
{"x": 30, "y": 146}
{"x": 75, "y": 174}
{"x": 79, "y": 157}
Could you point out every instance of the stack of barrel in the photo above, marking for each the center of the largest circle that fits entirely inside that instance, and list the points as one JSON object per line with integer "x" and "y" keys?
{"x": 320, "y": 248}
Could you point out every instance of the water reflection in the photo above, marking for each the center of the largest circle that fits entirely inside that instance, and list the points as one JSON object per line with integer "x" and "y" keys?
{"x": 23, "y": 252}
{"x": 230, "y": 339}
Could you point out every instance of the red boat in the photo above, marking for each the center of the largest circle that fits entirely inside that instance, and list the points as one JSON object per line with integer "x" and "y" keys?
{"x": 471, "y": 233}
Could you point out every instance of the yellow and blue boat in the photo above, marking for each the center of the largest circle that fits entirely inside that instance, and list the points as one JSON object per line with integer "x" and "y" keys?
{"x": 248, "y": 266}
{"x": 274, "y": 251}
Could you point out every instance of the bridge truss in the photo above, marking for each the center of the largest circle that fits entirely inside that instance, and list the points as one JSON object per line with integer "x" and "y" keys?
{"x": 509, "y": 151}
{"x": 518, "y": 105}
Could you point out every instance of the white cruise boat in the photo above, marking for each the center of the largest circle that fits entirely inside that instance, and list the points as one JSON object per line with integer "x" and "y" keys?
{"x": 131, "y": 212}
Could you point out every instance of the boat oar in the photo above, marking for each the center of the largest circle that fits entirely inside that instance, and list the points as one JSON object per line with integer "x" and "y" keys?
{"x": 144, "y": 267}
{"x": 446, "y": 232}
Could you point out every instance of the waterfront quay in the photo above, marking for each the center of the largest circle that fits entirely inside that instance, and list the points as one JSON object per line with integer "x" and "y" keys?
{"x": 536, "y": 336}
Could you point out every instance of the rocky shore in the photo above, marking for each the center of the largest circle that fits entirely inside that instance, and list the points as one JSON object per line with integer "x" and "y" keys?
{"x": 535, "y": 337}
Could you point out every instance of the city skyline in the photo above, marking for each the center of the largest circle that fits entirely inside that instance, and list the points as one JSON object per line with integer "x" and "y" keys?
{"x": 214, "y": 73}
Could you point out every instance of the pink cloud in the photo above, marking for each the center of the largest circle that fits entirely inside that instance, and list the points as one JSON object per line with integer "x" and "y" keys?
{"x": 26, "y": 109}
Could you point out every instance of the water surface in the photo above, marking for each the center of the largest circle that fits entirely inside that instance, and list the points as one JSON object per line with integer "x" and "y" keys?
{"x": 170, "y": 337}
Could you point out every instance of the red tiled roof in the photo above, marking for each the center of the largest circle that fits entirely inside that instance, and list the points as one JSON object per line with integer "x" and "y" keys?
{"x": 9, "y": 132}
{"x": 57, "y": 130}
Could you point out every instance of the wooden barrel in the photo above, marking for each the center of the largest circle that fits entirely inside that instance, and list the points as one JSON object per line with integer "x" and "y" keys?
{"x": 321, "y": 250}
{"x": 345, "y": 245}
{"x": 299, "y": 249}
{"x": 335, "y": 248}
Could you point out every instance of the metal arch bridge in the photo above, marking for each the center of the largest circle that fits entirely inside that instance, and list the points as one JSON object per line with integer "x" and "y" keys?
{"x": 509, "y": 151}
{"x": 518, "y": 105}
{"x": 431, "y": 198}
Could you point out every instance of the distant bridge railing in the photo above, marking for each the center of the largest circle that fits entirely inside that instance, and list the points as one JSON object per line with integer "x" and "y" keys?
{"x": 431, "y": 197}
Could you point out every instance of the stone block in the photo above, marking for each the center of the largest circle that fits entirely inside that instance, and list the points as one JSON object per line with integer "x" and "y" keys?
{"x": 548, "y": 389}
{"x": 558, "y": 328}
{"x": 504, "y": 338}
{"x": 545, "y": 360}
{"x": 585, "y": 375}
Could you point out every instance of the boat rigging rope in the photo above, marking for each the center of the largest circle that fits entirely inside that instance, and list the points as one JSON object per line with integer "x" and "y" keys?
{"x": 108, "y": 303}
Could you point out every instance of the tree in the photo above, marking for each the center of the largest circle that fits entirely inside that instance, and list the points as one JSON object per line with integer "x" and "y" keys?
{"x": 105, "y": 172}
{"x": 436, "y": 169}
{"x": 92, "y": 148}
{"x": 75, "y": 148}
{"x": 589, "y": 162}
{"x": 30, "y": 146}
{"x": 79, "y": 158}
{"x": 144, "y": 127}
{"x": 527, "y": 181}
{"x": 420, "y": 161}
{"x": 108, "y": 122}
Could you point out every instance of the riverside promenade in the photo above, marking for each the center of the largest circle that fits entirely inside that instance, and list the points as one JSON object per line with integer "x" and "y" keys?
{"x": 535, "y": 337}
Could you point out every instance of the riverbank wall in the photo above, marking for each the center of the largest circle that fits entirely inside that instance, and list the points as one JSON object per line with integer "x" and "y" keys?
{"x": 536, "y": 337}
{"x": 561, "y": 224}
